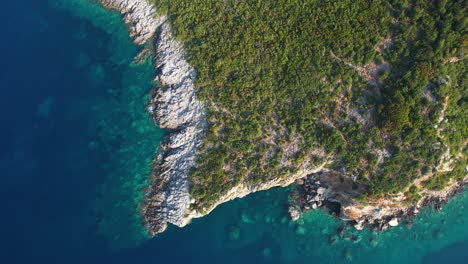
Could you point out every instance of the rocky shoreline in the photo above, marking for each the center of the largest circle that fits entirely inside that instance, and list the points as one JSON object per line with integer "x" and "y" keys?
{"x": 174, "y": 107}
{"x": 339, "y": 196}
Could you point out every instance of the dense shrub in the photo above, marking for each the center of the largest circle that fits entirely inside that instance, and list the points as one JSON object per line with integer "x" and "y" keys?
{"x": 279, "y": 73}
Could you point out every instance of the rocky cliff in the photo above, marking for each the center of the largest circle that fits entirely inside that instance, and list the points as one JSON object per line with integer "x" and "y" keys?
{"x": 174, "y": 107}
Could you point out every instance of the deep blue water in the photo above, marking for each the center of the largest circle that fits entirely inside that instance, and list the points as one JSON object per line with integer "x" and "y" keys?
{"x": 75, "y": 148}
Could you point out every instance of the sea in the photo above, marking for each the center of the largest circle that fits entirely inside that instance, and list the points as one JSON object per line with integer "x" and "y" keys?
{"x": 76, "y": 146}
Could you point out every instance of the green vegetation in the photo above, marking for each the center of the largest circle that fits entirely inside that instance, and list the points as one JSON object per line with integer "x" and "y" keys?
{"x": 291, "y": 84}
{"x": 440, "y": 179}
{"x": 412, "y": 195}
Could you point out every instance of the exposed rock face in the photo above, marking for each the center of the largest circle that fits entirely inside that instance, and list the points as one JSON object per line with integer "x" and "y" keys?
{"x": 341, "y": 197}
{"x": 139, "y": 15}
{"x": 174, "y": 107}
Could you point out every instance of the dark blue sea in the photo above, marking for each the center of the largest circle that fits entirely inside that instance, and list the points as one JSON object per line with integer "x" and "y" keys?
{"x": 76, "y": 146}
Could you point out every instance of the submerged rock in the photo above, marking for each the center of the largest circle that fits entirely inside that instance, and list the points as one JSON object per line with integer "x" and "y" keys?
{"x": 266, "y": 252}
{"x": 409, "y": 224}
{"x": 234, "y": 233}
{"x": 341, "y": 231}
{"x": 43, "y": 109}
{"x": 347, "y": 254}
{"x": 332, "y": 239}
{"x": 374, "y": 242}
{"x": 355, "y": 239}
{"x": 301, "y": 230}
{"x": 246, "y": 218}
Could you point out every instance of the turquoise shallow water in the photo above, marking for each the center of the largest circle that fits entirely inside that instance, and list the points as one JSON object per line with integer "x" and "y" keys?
{"x": 255, "y": 229}
{"x": 77, "y": 150}
{"x": 123, "y": 129}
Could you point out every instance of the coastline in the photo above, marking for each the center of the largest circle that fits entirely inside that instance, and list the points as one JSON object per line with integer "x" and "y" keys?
{"x": 326, "y": 190}
{"x": 174, "y": 107}
{"x": 406, "y": 214}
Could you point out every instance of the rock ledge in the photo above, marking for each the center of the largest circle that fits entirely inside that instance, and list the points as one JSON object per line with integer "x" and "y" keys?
{"x": 174, "y": 107}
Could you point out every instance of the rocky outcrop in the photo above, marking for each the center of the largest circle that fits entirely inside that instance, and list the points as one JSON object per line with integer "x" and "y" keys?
{"x": 139, "y": 16}
{"x": 242, "y": 190}
{"x": 174, "y": 107}
{"x": 340, "y": 196}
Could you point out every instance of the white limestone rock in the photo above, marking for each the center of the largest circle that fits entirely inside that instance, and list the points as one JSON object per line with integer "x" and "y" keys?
{"x": 294, "y": 213}
{"x": 173, "y": 107}
{"x": 393, "y": 222}
{"x": 139, "y": 15}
